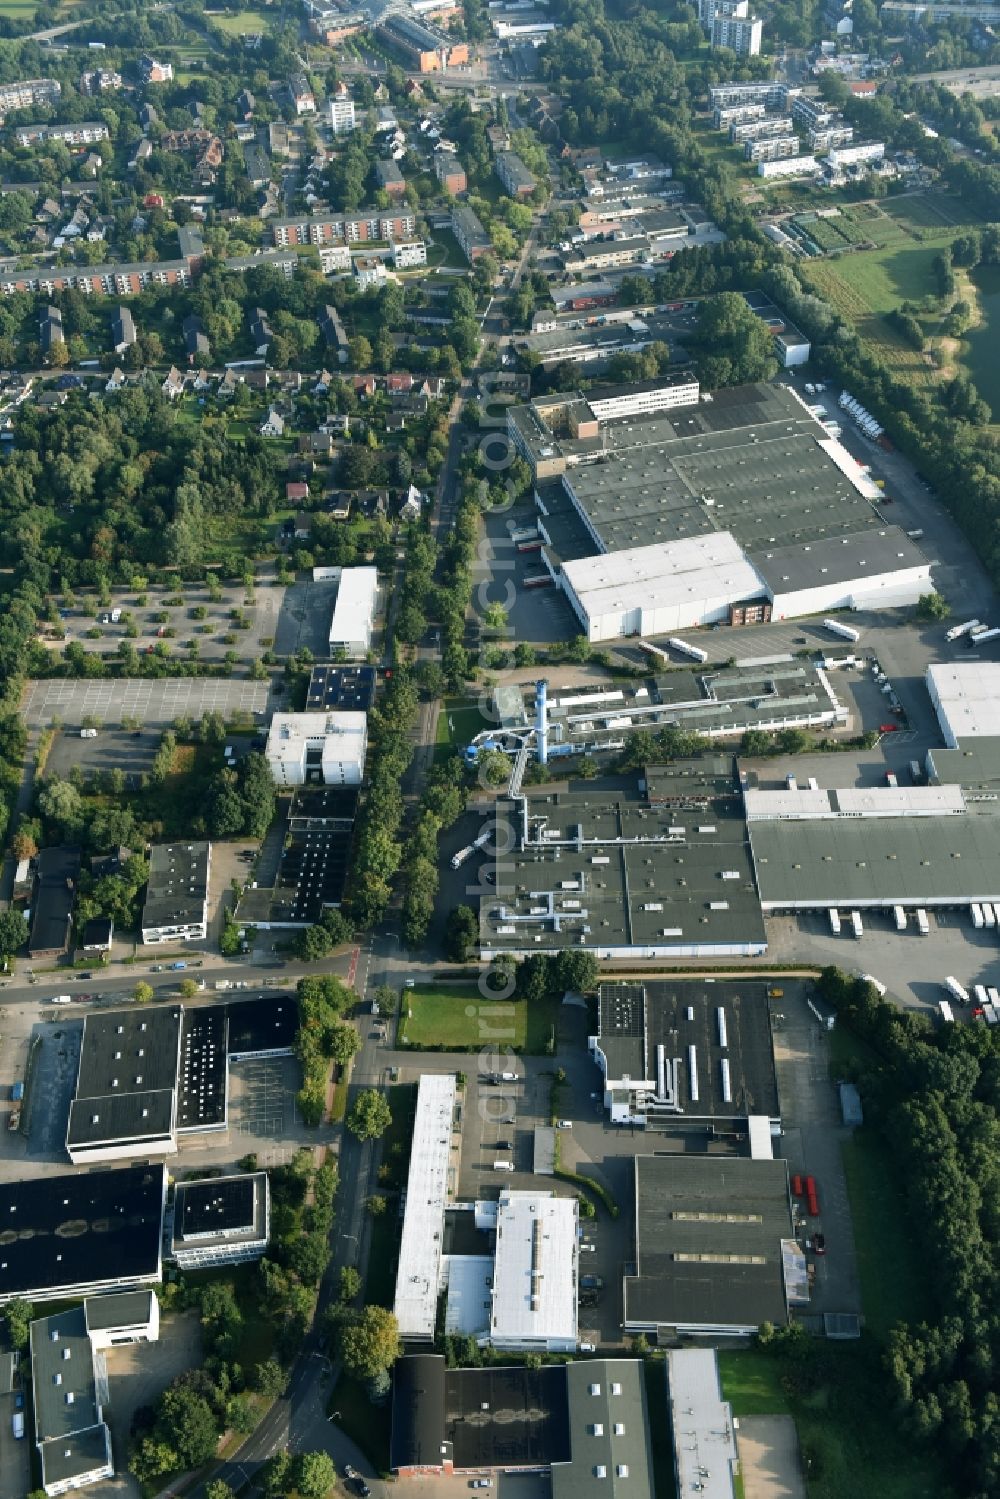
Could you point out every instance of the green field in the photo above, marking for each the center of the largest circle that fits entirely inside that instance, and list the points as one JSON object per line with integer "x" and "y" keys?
{"x": 18, "y": 10}
{"x": 236, "y": 22}
{"x": 459, "y": 1018}
{"x": 836, "y": 1393}
{"x": 459, "y": 721}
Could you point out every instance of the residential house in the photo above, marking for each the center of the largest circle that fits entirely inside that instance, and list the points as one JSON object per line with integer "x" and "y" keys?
{"x": 412, "y": 504}
{"x": 151, "y": 70}
{"x": 322, "y": 385}
{"x": 148, "y": 116}
{"x": 50, "y": 330}
{"x": 116, "y": 381}
{"x": 195, "y": 338}
{"x": 245, "y": 104}
{"x": 317, "y": 444}
{"x": 256, "y": 379}
{"x": 260, "y": 333}
{"x": 337, "y": 503}
{"x": 296, "y": 492}
{"x": 365, "y": 386}
{"x": 173, "y": 385}
{"x": 227, "y": 385}
{"x": 123, "y": 333}
{"x": 303, "y": 526}
{"x": 273, "y": 424}
{"x": 302, "y": 97}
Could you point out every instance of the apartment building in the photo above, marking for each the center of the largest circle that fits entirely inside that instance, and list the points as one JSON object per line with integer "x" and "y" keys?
{"x": 341, "y": 116}
{"x": 450, "y": 172}
{"x": 773, "y": 96}
{"x": 302, "y": 97}
{"x": 340, "y": 228}
{"x": 28, "y": 93}
{"x": 409, "y": 253}
{"x": 96, "y": 280}
{"x": 741, "y": 34}
{"x": 518, "y": 181}
{"x": 778, "y": 148}
{"x": 83, "y": 133}
{"x": 737, "y": 114}
{"x": 761, "y": 130}
{"x": 471, "y": 236}
{"x": 424, "y": 48}
{"x": 389, "y": 178}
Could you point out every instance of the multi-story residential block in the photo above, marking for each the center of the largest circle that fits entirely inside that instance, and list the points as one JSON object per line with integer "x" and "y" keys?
{"x": 341, "y": 115}
{"x": 519, "y": 182}
{"x": 83, "y": 133}
{"x": 302, "y": 97}
{"x": 369, "y": 271}
{"x": 28, "y": 93}
{"x": 469, "y": 232}
{"x": 100, "y": 81}
{"x": 450, "y": 172}
{"x": 389, "y": 178}
{"x": 777, "y": 148}
{"x": 96, "y": 280}
{"x": 409, "y": 253}
{"x": 424, "y": 48}
{"x": 774, "y": 96}
{"x": 340, "y": 228}
{"x": 154, "y": 71}
{"x": 741, "y": 34}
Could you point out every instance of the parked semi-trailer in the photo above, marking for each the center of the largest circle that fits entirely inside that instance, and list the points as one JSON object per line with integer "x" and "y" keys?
{"x": 694, "y": 651}
{"x": 835, "y": 922}
{"x": 877, "y": 985}
{"x": 983, "y": 637}
{"x": 989, "y": 915}
{"x": 977, "y": 916}
{"x": 957, "y": 631}
{"x": 923, "y": 925}
{"x": 857, "y": 924}
{"x": 956, "y": 990}
{"x": 899, "y": 916}
{"x": 946, "y": 1012}
{"x": 848, "y": 632}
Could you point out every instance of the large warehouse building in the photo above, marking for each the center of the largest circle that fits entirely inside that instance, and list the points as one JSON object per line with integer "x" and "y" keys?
{"x": 966, "y": 698}
{"x": 683, "y": 509}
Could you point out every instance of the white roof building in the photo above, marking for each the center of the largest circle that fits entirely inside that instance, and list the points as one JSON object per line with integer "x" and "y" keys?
{"x": 535, "y": 1272}
{"x": 705, "y": 1456}
{"x": 321, "y": 748}
{"x": 428, "y": 1187}
{"x": 966, "y": 698}
{"x": 354, "y": 612}
{"x": 653, "y": 590}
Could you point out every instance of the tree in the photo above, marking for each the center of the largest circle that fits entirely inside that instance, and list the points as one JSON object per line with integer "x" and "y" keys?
{"x": 932, "y": 606}
{"x": 143, "y": 992}
{"x": 269, "y": 1379}
{"x": 376, "y": 1205}
{"x": 189, "y": 988}
{"x": 756, "y": 742}
{"x": 461, "y": 933}
{"x": 370, "y": 1116}
{"x": 313, "y": 943}
{"x": 186, "y": 1421}
{"x": 350, "y": 1283}
{"x": 18, "y": 1316}
{"x": 13, "y": 932}
{"x": 315, "y": 1474}
{"x": 370, "y": 1342}
{"x": 735, "y": 346}
{"x": 576, "y": 971}
{"x": 278, "y": 1477}
{"x": 217, "y": 1489}
{"x": 359, "y": 353}
{"x": 343, "y": 1042}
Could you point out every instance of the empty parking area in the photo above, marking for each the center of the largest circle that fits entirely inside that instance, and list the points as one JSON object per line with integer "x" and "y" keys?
{"x": 261, "y": 1098}
{"x": 149, "y": 702}
{"x": 236, "y": 620}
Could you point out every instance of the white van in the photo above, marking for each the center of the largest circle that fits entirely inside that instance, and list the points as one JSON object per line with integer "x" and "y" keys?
{"x": 503, "y": 1165}
{"x": 62, "y": 999}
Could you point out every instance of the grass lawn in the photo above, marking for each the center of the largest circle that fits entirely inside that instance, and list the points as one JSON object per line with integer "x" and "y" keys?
{"x": 235, "y": 22}
{"x": 18, "y": 10}
{"x": 836, "y": 1393}
{"x": 450, "y": 1019}
{"x": 458, "y": 723}
{"x": 856, "y": 282}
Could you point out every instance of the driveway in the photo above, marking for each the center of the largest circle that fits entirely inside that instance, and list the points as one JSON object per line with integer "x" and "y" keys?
{"x": 769, "y": 1458}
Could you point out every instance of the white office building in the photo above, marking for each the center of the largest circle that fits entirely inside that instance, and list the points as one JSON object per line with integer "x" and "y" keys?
{"x": 325, "y": 749}
{"x": 535, "y": 1273}
{"x": 354, "y": 612}
{"x": 428, "y": 1191}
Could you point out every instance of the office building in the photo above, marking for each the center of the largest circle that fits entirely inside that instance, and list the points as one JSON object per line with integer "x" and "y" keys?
{"x": 224, "y": 1220}
{"x": 430, "y": 1185}
{"x": 325, "y": 749}
{"x": 176, "y": 904}
{"x": 534, "y": 1272}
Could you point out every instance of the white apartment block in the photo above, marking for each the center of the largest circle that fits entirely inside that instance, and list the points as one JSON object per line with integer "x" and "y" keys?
{"x": 409, "y": 253}
{"x": 318, "y": 748}
{"x": 742, "y": 35}
{"x": 341, "y": 116}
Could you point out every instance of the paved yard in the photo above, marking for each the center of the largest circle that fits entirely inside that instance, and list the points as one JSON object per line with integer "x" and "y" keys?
{"x": 151, "y": 702}
{"x": 769, "y": 1458}
{"x": 137, "y": 1374}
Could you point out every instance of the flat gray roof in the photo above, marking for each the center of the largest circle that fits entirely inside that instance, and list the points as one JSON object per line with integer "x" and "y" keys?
{"x": 605, "y": 868}
{"x": 220, "y": 1210}
{"x": 120, "y": 1309}
{"x": 127, "y": 1076}
{"x": 976, "y": 766}
{"x": 608, "y": 1432}
{"x": 636, "y": 1018}
{"x": 879, "y": 861}
{"x": 708, "y": 1236}
{"x": 178, "y": 884}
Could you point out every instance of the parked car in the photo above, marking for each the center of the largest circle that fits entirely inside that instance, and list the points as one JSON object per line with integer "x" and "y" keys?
{"x": 588, "y": 1347}
{"x": 481, "y": 1483}
{"x": 503, "y": 1145}
{"x": 564, "y": 1124}
{"x": 819, "y": 1244}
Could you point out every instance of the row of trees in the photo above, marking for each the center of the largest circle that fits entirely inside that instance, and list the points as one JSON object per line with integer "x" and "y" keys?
{"x": 442, "y": 803}
{"x": 935, "y": 1096}
{"x": 322, "y": 1038}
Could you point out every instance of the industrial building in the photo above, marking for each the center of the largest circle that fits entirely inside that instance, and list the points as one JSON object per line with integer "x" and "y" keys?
{"x": 315, "y": 857}
{"x": 706, "y": 1461}
{"x": 69, "y": 1384}
{"x": 146, "y": 1076}
{"x": 658, "y": 866}
{"x": 966, "y": 698}
{"x": 326, "y": 749}
{"x": 716, "y": 503}
{"x": 354, "y": 610}
{"x": 176, "y": 904}
{"x": 82, "y": 1234}
{"x": 584, "y": 1425}
{"x": 422, "y": 47}
{"x": 430, "y": 1185}
{"x": 873, "y": 848}
{"x": 715, "y": 1251}
{"x": 686, "y": 1054}
{"x": 221, "y": 1221}
{"x": 533, "y": 1272}
{"x": 53, "y": 893}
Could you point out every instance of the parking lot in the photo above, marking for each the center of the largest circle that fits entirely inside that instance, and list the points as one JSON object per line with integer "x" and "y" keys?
{"x": 304, "y": 619}
{"x": 536, "y": 616}
{"x": 54, "y": 1047}
{"x": 177, "y": 614}
{"x": 153, "y": 703}
{"x": 260, "y": 1098}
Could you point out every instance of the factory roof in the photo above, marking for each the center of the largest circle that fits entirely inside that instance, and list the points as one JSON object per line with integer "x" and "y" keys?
{"x": 967, "y": 697}
{"x": 258, "y": 1026}
{"x": 220, "y": 1211}
{"x": 708, "y": 1233}
{"x": 535, "y": 1269}
{"x": 73, "y": 1440}
{"x": 804, "y": 802}
{"x": 178, "y": 884}
{"x": 126, "y": 1078}
{"x": 428, "y": 1187}
{"x": 609, "y": 1432}
{"x": 120, "y": 1309}
{"x": 648, "y": 577}
{"x": 79, "y": 1231}
{"x": 976, "y": 766}
{"x": 605, "y": 867}
{"x": 343, "y": 687}
{"x": 354, "y": 610}
{"x": 836, "y": 559}
{"x": 315, "y": 857}
{"x": 705, "y": 1454}
{"x": 202, "y": 1074}
{"x": 635, "y": 1019}
{"x": 506, "y": 1417}
{"x": 879, "y": 861}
